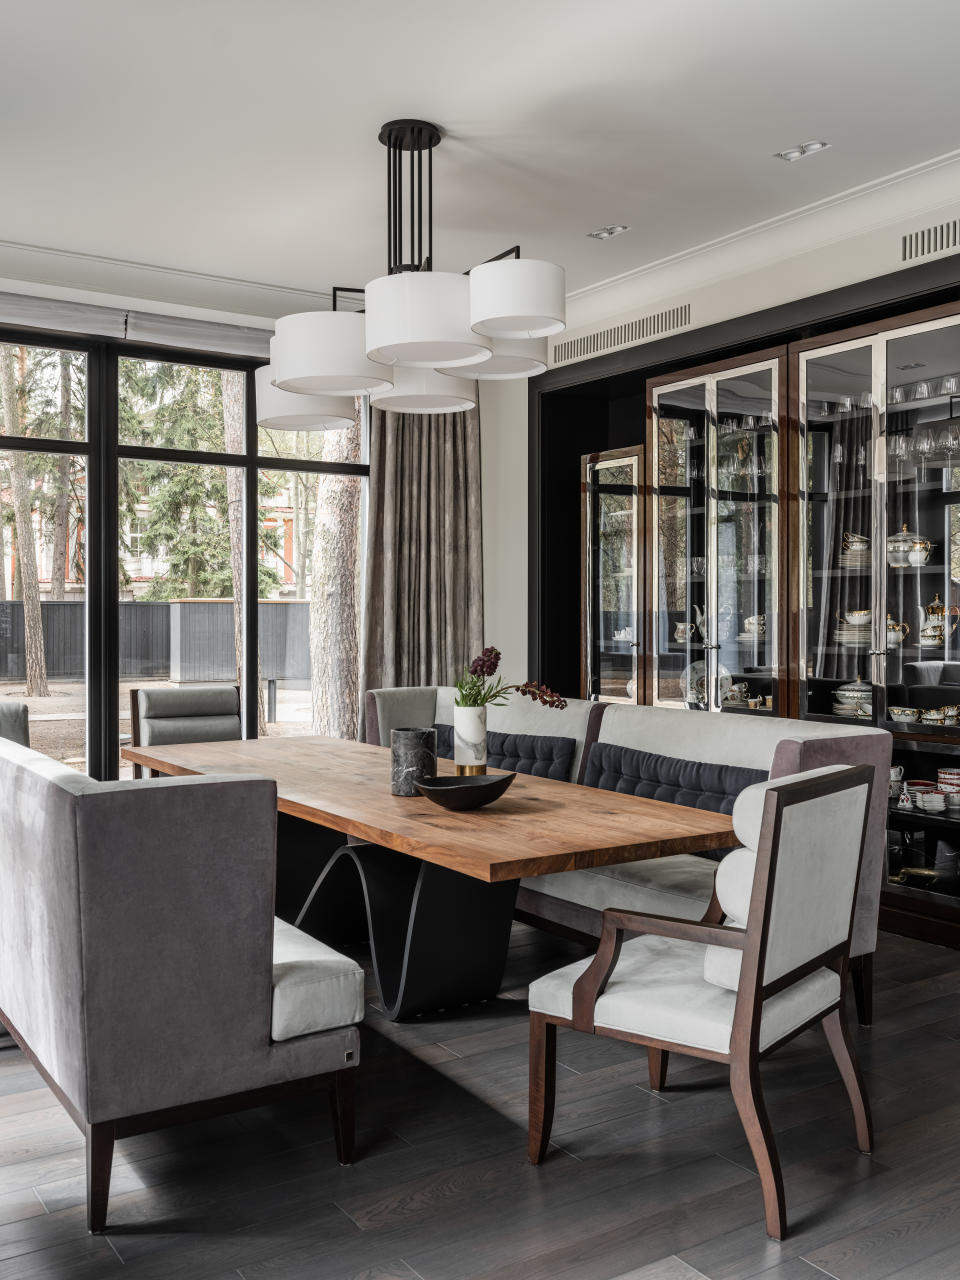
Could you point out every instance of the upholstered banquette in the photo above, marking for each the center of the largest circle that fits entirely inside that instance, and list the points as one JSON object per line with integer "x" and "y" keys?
{"x": 161, "y": 715}
{"x": 141, "y": 966}
{"x": 678, "y": 756}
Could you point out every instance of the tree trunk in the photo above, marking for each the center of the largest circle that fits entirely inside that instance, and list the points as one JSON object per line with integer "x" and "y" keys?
{"x": 232, "y": 389}
{"x": 334, "y": 613}
{"x": 60, "y": 533}
{"x": 36, "y": 666}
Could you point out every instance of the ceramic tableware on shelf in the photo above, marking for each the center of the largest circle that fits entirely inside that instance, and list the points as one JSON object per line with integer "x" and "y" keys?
{"x": 932, "y": 801}
{"x": 899, "y": 546}
{"x": 904, "y": 715}
{"x": 856, "y": 691}
{"x": 895, "y": 789}
{"x": 953, "y": 802}
{"x": 858, "y": 617}
{"x": 757, "y": 625}
{"x": 896, "y": 773}
{"x": 897, "y": 632}
{"x": 919, "y": 552}
{"x": 932, "y": 716}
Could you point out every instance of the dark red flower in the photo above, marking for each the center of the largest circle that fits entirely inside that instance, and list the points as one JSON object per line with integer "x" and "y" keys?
{"x": 486, "y": 663}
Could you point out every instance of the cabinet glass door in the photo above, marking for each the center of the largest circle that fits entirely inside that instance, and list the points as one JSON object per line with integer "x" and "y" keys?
{"x": 682, "y": 463}
{"x": 611, "y": 489}
{"x": 922, "y": 676}
{"x": 747, "y": 541}
{"x": 838, "y": 621}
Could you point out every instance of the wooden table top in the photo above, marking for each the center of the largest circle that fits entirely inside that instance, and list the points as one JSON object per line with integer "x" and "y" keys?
{"x": 540, "y": 826}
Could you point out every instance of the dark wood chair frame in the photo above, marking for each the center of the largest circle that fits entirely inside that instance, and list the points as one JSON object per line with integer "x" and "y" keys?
{"x": 135, "y": 727}
{"x": 101, "y": 1136}
{"x": 745, "y": 1053}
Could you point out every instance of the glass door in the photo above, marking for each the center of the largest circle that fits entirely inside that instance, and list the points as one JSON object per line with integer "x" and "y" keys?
{"x": 684, "y": 459}
{"x": 612, "y": 639}
{"x": 838, "y": 620}
{"x": 717, "y": 541}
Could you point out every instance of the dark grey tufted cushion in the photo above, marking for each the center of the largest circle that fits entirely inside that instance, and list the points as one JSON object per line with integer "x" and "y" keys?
{"x": 543, "y": 756}
{"x": 689, "y": 782}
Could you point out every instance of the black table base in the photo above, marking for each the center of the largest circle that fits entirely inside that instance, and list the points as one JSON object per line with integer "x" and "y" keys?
{"x": 438, "y": 939}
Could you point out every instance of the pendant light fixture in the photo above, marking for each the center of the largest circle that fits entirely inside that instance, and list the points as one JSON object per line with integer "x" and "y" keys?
{"x": 490, "y": 323}
{"x": 284, "y": 411}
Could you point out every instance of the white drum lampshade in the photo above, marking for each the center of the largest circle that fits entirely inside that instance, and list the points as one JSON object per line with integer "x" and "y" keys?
{"x": 512, "y": 358}
{"x": 426, "y": 391}
{"x": 421, "y": 320}
{"x": 287, "y": 411}
{"x": 324, "y": 353}
{"x": 517, "y": 298}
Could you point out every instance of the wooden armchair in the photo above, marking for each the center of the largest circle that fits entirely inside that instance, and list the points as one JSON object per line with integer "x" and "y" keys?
{"x": 735, "y": 992}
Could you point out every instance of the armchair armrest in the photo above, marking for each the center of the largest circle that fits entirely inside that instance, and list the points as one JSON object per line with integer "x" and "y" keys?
{"x": 592, "y": 983}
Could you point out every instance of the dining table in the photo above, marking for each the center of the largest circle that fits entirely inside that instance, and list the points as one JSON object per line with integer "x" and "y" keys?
{"x": 438, "y": 886}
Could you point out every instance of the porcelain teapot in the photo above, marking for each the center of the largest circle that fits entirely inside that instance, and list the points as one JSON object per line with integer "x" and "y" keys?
{"x": 701, "y": 622}
{"x": 897, "y": 632}
{"x": 935, "y": 614}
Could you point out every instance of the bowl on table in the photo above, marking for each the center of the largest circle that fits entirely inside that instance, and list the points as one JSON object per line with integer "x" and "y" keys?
{"x": 471, "y": 791}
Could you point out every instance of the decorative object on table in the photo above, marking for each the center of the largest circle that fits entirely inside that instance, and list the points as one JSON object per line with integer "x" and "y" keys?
{"x": 476, "y": 690}
{"x": 413, "y": 757}
{"x": 463, "y": 793}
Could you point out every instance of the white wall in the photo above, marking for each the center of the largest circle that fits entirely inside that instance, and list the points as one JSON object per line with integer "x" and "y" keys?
{"x": 503, "y": 444}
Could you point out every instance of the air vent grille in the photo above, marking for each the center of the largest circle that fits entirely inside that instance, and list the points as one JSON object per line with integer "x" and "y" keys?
{"x": 623, "y": 334}
{"x": 944, "y": 238}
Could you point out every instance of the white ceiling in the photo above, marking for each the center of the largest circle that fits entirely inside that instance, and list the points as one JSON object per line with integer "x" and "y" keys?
{"x": 239, "y": 137}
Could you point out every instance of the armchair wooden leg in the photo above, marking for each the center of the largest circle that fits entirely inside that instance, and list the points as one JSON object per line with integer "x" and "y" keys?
{"x": 341, "y": 1103}
{"x": 745, "y": 1085}
{"x": 543, "y": 1084}
{"x": 657, "y": 1060}
{"x": 838, "y": 1038}
{"x": 99, "y": 1164}
{"x": 861, "y": 972}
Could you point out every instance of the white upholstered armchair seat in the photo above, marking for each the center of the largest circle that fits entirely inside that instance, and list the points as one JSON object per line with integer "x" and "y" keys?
{"x": 314, "y": 987}
{"x": 658, "y": 990}
{"x": 680, "y": 886}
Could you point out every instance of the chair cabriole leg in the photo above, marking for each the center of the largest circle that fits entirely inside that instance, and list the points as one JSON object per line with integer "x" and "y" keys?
{"x": 838, "y": 1038}
{"x": 745, "y": 1085}
{"x": 543, "y": 1082}
{"x": 861, "y": 974}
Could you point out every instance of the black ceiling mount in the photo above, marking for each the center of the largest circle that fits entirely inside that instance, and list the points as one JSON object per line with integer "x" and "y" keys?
{"x": 415, "y": 137}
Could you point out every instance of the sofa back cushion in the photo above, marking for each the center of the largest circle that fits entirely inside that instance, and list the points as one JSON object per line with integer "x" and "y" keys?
{"x": 695, "y": 783}
{"x": 543, "y": 756}
{"x": 204, "y": 713}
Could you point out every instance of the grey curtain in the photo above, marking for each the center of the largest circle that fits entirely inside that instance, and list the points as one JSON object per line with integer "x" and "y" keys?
{"x": 423, "y": 592}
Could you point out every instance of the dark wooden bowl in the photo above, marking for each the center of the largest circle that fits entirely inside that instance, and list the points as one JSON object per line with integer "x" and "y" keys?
{"x": 472, "y": 791}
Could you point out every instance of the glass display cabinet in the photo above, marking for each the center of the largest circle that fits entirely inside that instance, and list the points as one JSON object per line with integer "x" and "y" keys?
{"x": 879, "y": 441}
{"x": 715, "y": 638}
{"x": 610, "y": 613}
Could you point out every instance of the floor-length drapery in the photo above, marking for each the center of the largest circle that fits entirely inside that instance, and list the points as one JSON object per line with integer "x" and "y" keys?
{"x": 423, "y": 590}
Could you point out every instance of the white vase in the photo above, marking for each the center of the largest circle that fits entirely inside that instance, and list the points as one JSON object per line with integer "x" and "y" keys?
{"x": 470, "y": 739}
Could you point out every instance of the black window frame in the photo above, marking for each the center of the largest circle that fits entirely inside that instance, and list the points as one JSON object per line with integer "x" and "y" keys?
{"x": 103, "y": 452}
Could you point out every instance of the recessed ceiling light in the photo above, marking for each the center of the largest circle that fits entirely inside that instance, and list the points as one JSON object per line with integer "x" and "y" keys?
{"x": 801, "y": 150}
{"x": 606, "y": 233}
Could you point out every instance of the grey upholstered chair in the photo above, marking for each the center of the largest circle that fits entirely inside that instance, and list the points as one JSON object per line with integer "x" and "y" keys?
{"x": 732, "y": 993}
{"x": 195, "y": 713}
{"x": 15, "y": 722}
{"x": 136, "y": 915}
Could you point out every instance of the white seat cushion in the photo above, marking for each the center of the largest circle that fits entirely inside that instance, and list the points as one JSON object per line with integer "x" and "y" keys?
{"x": 658, "y": 990}
{"x": 314, "y": 987}
{"x": 679, "y": 885}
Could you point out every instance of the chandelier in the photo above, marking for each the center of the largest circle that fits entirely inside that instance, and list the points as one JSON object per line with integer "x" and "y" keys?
{"x": 423, "y": 336}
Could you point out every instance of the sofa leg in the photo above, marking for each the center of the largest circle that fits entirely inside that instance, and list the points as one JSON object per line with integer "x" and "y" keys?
{"x": 99, "y": 1163}
{"x": 861, "y": 974}
{"x": 341, "y": 1103}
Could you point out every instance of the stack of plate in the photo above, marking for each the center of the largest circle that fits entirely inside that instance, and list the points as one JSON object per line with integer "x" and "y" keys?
{"x": 856, "y": 556}
{"x": 858, "y": 710}
{"x": 850, "y": 636}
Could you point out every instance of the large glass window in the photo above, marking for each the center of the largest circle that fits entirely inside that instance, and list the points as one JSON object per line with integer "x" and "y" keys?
{"x": 181, "y": 406}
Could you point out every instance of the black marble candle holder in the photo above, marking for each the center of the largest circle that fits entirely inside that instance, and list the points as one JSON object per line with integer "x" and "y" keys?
{"x": 413, "y": 758}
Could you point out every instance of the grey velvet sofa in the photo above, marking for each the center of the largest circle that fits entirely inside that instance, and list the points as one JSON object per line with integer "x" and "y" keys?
{"x": 141, "y": 968}
{"x": 196, "y": 713}
{"x": 735, "y": 750}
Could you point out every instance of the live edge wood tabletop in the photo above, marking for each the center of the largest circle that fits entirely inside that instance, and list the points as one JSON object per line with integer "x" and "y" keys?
{"x": 540, "y": 826}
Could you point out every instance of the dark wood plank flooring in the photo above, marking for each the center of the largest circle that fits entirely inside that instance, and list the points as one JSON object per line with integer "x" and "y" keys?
{"x": 636, "y": 1187}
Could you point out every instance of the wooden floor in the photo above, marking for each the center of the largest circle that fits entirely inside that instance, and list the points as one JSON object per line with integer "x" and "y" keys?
{"x": 638, "y": 1186}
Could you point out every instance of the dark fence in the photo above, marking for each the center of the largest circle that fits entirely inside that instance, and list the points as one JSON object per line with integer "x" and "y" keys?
{"x": 180, "y": 640}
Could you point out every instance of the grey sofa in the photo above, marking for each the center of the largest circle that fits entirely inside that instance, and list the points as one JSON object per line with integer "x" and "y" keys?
{"x": 139, "y": 915}
{"x": 742, "y": 749}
